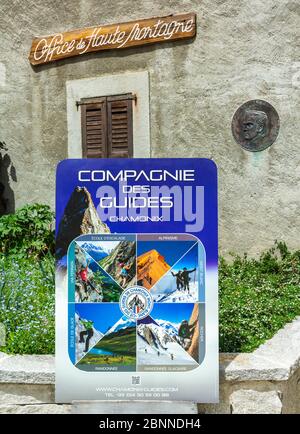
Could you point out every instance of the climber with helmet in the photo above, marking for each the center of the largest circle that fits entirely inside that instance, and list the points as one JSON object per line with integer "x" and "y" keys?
{"x": 124, "y": 273}
{"x": 185, "y": 333}
{"x": 83, "y": 275}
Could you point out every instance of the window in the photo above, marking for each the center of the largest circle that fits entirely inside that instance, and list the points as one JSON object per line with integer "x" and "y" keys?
{"x": 134, "y": 83}
{"x": 106, "y": 126}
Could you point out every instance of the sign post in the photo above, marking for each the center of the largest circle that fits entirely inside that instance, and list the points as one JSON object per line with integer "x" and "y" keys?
{"x": 116, "y": 36}
{"x": 137, "y": 284}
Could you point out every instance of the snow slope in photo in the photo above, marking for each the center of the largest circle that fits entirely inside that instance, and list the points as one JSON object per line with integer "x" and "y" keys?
{"x": 164, "y": 293}
{"x": 123, "y": 323}
{"x": 156, "y": 347}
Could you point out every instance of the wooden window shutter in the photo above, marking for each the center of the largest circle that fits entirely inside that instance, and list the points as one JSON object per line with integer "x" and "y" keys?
{"x": 119, "y": 126}
{"x": 106, "y": 125}
{"x": 94, "y": 129}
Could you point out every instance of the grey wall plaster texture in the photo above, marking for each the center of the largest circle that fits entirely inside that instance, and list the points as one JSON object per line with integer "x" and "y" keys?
{"x": 243, "y": 50}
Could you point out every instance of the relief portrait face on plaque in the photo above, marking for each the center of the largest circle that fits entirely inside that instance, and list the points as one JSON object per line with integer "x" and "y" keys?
{"x": 255, "y": 125}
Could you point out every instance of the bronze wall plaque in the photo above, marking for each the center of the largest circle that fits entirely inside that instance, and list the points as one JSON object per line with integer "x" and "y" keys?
{"x": 255, "y": 125}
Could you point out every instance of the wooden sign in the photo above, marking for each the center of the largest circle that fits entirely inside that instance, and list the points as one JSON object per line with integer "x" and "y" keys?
{"x": 148, "y": 31}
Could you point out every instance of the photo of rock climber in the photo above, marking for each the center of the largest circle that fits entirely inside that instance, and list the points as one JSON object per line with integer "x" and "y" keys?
{"x": 88, "y": 332}
{"x": 124, "y": 273}
{"x": 186, "y": 279}
{"x": 92, "y": 283}
{"x": 86, "y": 283}
{"x": 185, "y": 333}
{"x": 83, "y": 274}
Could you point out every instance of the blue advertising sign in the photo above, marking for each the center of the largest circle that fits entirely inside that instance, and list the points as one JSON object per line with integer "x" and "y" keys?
{"x": 136, "y": 280}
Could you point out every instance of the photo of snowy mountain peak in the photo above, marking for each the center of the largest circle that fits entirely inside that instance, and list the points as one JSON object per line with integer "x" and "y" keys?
{"x": 165, "y": 344}
{"x": 181, "y": 283}
{"x": 92, "y": 283}
{"x": 98, "y": 249}
{"x": 122, "y": 324}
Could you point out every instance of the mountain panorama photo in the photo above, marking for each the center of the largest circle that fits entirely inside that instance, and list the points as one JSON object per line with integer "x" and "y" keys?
{"x": 103, "y": 267}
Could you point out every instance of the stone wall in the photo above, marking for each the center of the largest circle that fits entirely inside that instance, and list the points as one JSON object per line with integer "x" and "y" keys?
{"x": 265, "y": 381}
{"x": 243, "y": 50}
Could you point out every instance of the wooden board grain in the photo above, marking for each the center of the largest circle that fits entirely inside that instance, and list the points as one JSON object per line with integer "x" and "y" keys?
{"x": 117, "y": 36}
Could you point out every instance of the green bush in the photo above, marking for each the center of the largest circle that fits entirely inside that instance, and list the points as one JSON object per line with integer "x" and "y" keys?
{"x": 27, "y": 280}
{"x": 257, "y": 297}
{"x": 27, "y": 232}
{"x": 27, "y": 303}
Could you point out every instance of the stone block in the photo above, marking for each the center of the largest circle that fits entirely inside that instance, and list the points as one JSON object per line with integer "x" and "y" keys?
{"x": 21, "y": 394}
{"x": 32, "y": 369}
{"x": 254, "y": 402}
{"x": 275, "y": 360}
{"x": 35, "y": 409}
{"x": 134, "y": 407}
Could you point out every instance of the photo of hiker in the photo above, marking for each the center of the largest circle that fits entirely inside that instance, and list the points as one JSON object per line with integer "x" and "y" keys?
{"x": 156, "y": 258}
{"x": 92, "y": 321}
{"x": 181, "y": 283}
{"x": 169, "y": 338}
{"x": 93, "y": 284}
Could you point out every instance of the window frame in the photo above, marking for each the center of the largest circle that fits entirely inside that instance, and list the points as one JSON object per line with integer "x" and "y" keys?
{"x": 135, "y": 82}
{"x": 107, "y": 128}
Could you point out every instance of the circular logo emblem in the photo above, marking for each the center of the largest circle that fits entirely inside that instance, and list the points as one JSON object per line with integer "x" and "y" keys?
{"x": 136, "y": 302}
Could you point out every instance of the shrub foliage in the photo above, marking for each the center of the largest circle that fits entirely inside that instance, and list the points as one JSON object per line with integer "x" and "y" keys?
{"x": 257, "y": 297}
{"x": 27, "y": 232}
{"x": 27, "y": 304}
{"x": 27, "y": 280}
